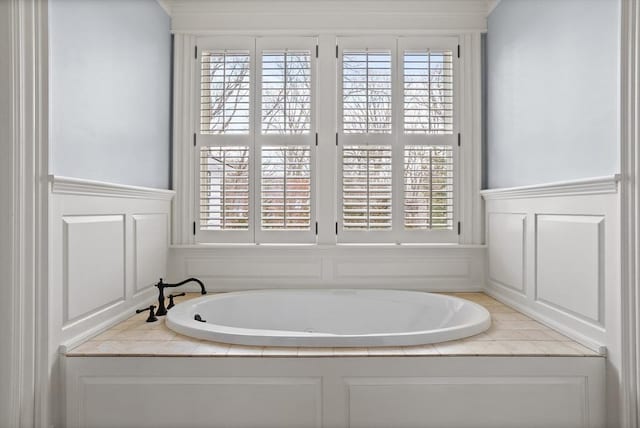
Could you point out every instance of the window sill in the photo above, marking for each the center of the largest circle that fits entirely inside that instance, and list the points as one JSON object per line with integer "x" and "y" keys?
{"x": 221, "y": 246}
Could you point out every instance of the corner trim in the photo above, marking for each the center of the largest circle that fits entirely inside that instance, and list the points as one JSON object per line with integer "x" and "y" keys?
{"x": 78, "y": 186}
{"x": 587, "y": 186}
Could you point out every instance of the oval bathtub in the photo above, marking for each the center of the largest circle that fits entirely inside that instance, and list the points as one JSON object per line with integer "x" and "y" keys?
{"x": 329, "y": 318}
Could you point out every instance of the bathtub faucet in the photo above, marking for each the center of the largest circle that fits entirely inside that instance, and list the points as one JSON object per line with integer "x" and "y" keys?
{"x": 162, "y": 310}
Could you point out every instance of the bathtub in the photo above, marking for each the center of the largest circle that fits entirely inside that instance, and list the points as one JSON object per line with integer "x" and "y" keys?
{"x": 328, "y": 318}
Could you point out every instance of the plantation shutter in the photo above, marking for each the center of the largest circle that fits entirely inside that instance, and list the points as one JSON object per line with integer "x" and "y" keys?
{"x": 224, "y": 188}
{"x": 397, "y": 138}
{"x": 223, "y": 142}
{"x": 428, "y": 140}
{"x": 366, "y": 188}
{"x": 285, "y": 141}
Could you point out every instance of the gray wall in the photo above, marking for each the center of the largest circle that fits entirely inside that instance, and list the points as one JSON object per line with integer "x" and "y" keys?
{"x": 110, "y": 91}
{"x": 552, "y": 88}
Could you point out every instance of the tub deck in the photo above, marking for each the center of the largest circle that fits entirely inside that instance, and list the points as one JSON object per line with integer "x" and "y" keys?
{"x": 511, "y": 334}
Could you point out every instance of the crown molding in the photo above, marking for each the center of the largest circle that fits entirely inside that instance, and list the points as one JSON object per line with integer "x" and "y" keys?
{"x": 587, "y": 186}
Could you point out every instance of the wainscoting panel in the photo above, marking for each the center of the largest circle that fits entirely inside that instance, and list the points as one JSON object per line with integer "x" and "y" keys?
{"x": 567, "y": 241}
{"x": 569, "y": 258}
{"x": 488, "y": 402}
{"x": 212, "y": 402}
{"x": 229, "y": 268}
{"x": 362, "y": 392}
{"x": 107, "y": 244}
{"x": 506, "y": 239}
{"x": 94, "y": 256}
{"x": 151, "y": 240}
{"x": 250, "y": 268}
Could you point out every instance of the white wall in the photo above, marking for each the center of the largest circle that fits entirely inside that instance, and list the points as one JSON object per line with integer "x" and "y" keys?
{"x": 553, "y": 75}
{"x": 110, "y": 91}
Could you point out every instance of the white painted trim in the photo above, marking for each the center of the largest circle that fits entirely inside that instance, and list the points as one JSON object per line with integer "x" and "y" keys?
{"x": 548, "y": 321}
{"x": 124, "y": 312}
{"x": 630, "y": 216}
{"x": 326, "y": 16}
{"x": 303, "y": 247}
{"x": 587, "y": 186}
{"x": 83, "y": 187}
{"x": 26, "y": 297}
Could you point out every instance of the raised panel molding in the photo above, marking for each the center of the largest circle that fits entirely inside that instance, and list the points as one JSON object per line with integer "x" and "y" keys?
{"x": 571, "y": 260}
{"x": 255, "y": 268}
{"x": 434, "y": 391}
{"x": 106, "y": 243}
{"x": 212, "y": 402}
{"x": 94, "y": 255}
{"x": 429, "y": 269}
{"x": 489, "y": 402}
{"x": 404, "y": 267}
{"x": 151, "y": 247}
{"x": 569, "y": 263}
{"x": 506, "y": 248}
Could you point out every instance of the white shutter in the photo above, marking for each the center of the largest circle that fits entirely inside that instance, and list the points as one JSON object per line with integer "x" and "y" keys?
{"x": 366, "y": 188}
{"x": 366, "y": 91}
{"x": 286, "y": 92}
{"x": 428, "y": 91}
{"x": 224, "y": 188}
{"x": 286, "y": 188}
{"x": 428, "y": 187}
{"x": 225, "y": 92}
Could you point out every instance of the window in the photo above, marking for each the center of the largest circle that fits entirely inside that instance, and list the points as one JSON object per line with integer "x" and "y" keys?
{"x": 396, "y": 143}
{"x": 397, "y": 140}
{"x": 256, "y": 140}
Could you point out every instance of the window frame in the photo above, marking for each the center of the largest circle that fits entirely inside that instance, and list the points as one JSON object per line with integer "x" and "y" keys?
{"x": 327, "y": 163}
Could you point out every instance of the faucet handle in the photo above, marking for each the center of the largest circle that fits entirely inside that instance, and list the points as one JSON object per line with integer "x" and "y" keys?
{"x": 171, "y": 296}
{"x": 152, "y": 315}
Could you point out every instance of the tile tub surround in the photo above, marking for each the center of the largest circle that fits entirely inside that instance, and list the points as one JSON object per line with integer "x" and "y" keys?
{"x": 511, "y": 334}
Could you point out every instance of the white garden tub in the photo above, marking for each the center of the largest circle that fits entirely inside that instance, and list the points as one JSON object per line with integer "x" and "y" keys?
{"x": 331, "y": 318}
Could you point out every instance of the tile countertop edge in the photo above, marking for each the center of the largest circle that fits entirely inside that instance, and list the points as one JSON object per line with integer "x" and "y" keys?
{"x": 512, "y": 334}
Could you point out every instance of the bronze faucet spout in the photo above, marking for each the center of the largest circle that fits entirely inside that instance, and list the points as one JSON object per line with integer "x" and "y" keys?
{"x": 162, "y": 310}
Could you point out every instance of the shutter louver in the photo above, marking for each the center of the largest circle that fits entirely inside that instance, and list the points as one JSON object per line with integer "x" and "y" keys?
{"x": 224, "y": 92}
{"x": 428, "y": 92}
{"x": 286, "y": 92}
{"x": 366, "y": 91}
{"x": 224, "y": 188}
{"x": 286, "y": 188}
{"x": 366, "y": 187}
{"x": 428, "y": 187}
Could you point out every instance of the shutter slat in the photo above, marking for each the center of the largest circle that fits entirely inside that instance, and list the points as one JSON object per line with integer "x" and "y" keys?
{"x": 285, "y": 198}
{"x": 428, "y": 187}
{"x": 366, "y": 91}
{"x": 366, "y": 187}
{"x": 224, "y": 188}
{"x": 428, "y": 92}
{"x": 224, "y": 92}
{"x": 286, "y": 92}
